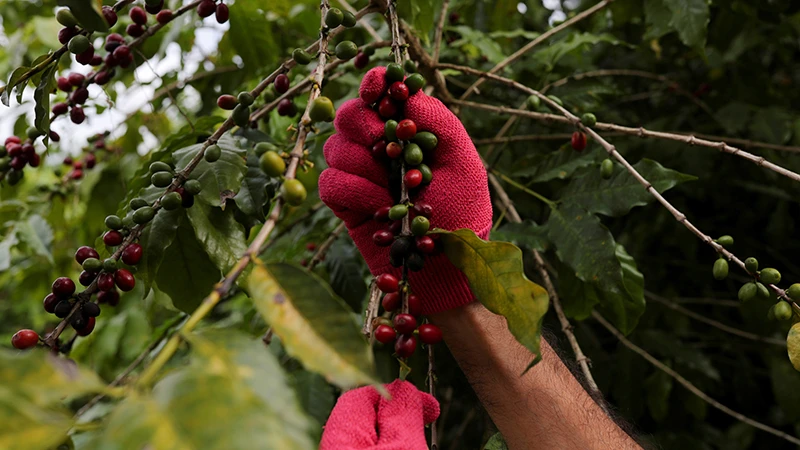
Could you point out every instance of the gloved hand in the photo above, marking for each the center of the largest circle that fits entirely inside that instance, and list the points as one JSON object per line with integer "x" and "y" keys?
{"x": 363, "y": 420}
{"x": 356, "y": 185}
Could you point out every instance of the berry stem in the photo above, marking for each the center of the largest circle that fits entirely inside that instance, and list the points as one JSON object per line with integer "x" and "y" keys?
{"x": 372, "y": 310}
{"x": 432, "y": 391}
{"x": 325, "y": 246}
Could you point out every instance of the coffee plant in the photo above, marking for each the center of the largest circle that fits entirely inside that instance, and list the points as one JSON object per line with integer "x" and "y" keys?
{"x": 188, "y": 261}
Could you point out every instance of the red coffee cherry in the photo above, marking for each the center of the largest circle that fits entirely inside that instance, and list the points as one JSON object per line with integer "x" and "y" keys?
{"x": 422, "y": 209}
{"x": 399, "y": 91}
{"x": 110, "y": 296}
{"x": 103, "y": 77}
{"x": 383, "y": 238}
{"x": 76, "y": 174}
{"x": 35, "y": 160}
{"x": 286, "y": 108}
{"x": 382, "y": 214}
{"x": 391, "y": 301}
{"x": 138, "y": 15}
{"x": 387, "y": 283}
{"x": 96, "y": 60}
{"x": 385, "y": 334}
{"x": 394, "y": 150}
{"x": 413, "y": 178}
{"x": 11, "y": 140}
{"x": 77, "y": 115}
{"x": 17, "y": 163}
{"x": 154, "y": 9}
{"x": 361, "y": 60}
{"x": 110, "y": 15}
{"x": 66, "y": 33}
{"x": 86, "y": 278}
{"x": 405, "y": 346}
{"x": 54, "y": 136}
{"x": 80, "y": 96}
{"x": 113, "y": 41}
{"x": 379, "y": 149}
{"x": 164, "y": 16}
{"x": 50, "y": 301}
{"x": 86, "y": 57}
{"x": 86, "y": 330}
{"x": 406, "y": 129}
{"x": 134, "y": 30}
{"x": 396, "y": 226}
{"x": 76, "y": 79}
{"x": 387, "y": 108}
{"x": 84, "y": 253}
{"x": 77, "y": 165}
{"x": 405, "y": 323}
{"x": 430, "y": 334}
{"x": 578, "y": 141}
{"x": 63, "y": 287}
{"x": 222, "y": 13}
{"x": 64, "y": 84}
{"x": 425, "y": 244}
{"x": 227, "y": 102}
{"x": 206, "y": 8}
{"x": 414, "y": 305}
{"x": 124, "y": 279}
{"x": 24, "y": 339}
{"x": 90, "y": 161}
{"x": 14, "y": 149}
{"x": 112, "y": 238}
{"x": 281, "y": 83}
{"x": 132, "y": 254}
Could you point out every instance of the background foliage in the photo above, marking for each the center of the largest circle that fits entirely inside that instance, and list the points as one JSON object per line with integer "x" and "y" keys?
{"x": 734, "y": 60}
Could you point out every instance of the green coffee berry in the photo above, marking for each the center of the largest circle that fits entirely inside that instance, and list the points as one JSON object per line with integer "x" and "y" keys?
{"x": 748, "y": 292}
{"x": 410, "y": 66}
{"x": 128, "y": 222}
{"x": 193, "y": 187}
{"x": 389, "y": 129}
{"x": 348, "y": 19}
{"x": 427, "y": 174}
{"x": 241, "y": 115}
{"x": 606, "y": 168}
{"x": 272, "y": 164}
{"x": 293, "y": 192}
{"x": 92, "y": 264}
{"x": 245, "y": 98}
{"x": 144, "y": 215}
{"x": 770, "y": 276}
{"x": 113, "y": 222}
{"x": 369, "y": 50}
{"x": 171, "y": 201}
{"x": 771, "y": 313}
{"x": 322, "y": 110}
{"x": 159, "y": 166}
{"x": 334, "y": 17}
{"x": 65, "y": 17}
{"x": 555, "y": 100}
{"x": 414, "y": 82}
{"x": 426, "y": 140}
{"x": 794, "y": 291}
{"x": 301, "y": 56}
{"x": 161, "y": 179}
{"x": 5, "y": 163}
{"x": 346, "y": 50}
{"x": 783, "y": 311}
{"x": 395, "y": 72}
{"x": 751, "y": 265}
{"x": 533, "y": 103}
{"x": 413, "y": 154}
{"x": 720, "y": 269}
{"x": 589, "y": 119}
{"x": 420, "y": 225}
{"x": 725, "y": 241}
{"x": 32, "y": 133}
{"x": 397, "y": 212}
{"x": 263, "y": 147}
{"x": 3, "y": 151}
{"x": 15, "y": 176}
{"x": 212, "y": 153}
{"x": 762, "y": 291}
{"x": 137, "y": 203}
{"x": 110, "y": 264}
{"x": 78, "y": 44}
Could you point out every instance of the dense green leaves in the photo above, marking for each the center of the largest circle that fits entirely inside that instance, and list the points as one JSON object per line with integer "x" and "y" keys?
{"x": 41, "y": 96}
{"x": 559, "y": 164}
{"x": 252, "y": 195}
{"x": 314, "y": 324}
{"x": 221, "y": 179}
{"x": 525, "y": 234}
{"x": 496, "y": 276}
{"x": 689, "y": 18}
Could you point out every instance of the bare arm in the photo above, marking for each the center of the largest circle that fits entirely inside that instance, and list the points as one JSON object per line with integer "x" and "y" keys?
{"x": 545, "y": 408}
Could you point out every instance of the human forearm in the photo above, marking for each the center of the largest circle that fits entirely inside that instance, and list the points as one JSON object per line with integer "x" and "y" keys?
{"x": 544, "y": 408}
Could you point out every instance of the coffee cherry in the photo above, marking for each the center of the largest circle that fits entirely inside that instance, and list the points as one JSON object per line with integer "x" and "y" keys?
{"x": 406, "y": 129}
{"x": 361, "y": 60}
{"x": 770, "y": 276}
{"x": 90, "y": 309}
{"x": 413, "y": 178}
{"x": 88, "y": 327}
{"x": 794, "y": 291}
{"x": 54, "y": 136}
{"x": 134, "y": 30}
{"x": 212, "y": 153}
{"x": 578, "y": 141}
{"x": 110, "y": 296}
{"x": 725, "y": 241}
{"x": 405, "y": 346}
{"x": 286, "y": 108}
{"x": 606, "y": 168}
{"x": 399, "y": 91}
{"x": 132, "y": 254}
{"x": 423, "y": 209}
{"x": 245, "y": 98}
{"x": 410, "y": 66}
{"x": 397, "y": 212}
{"x": 383, "y": 238}
{"x": 109, "y": 15}
{"x": 18, "y": 163}
{"x": 382, "y": 214}
{"x": 405, "y": 323}
{"x": 394, "y": 72}
{"x": 415, "y": 82}
{"x": 391, "y": 301}
{"x": 63, "y": 287}
{"x": 24, "y": 339}
{"x": 187, "y": 198}
{"x": 379, "y": 149}
{"x": 272, "y": 164}
{"x": 84, "y": 253}
{"x": 762, "y": 292}
{"x": 425, "y": 244}
{"x": 144, "y": 215}
{"x": 412, "y": 154}
{"x": 720, "y": 269}
{"x": 427, "y": 175}
{"x": 415, "y": 262}
{"x": 348, "y": 19}
{"x": 281, "y": 83}
{"x": 80, "y": 96}
{"x": 222, "y": 13}
{"x": 387, "y": 108}
{"x": 227, "y": 102}
{"x": 389, "y": 130}
{"x": 66, "y": 33}
{"x": 533, "y": 102}
{"x": 124, "y": 279}
{"x": 87, "y": 277}
{"x": 77, "y": 115}
{"x": 293, "y": 192}
{"x": 164, "y": 16}
{"x": 109, "y": 264}
{"x": 153, "y": 6}
{"x": 206, "y": 8}
{"x": 751, "y": 265}
{"x": 78, "y": 320}
{"x": 138, "y": 15}
{"x": 385, "y": 334}
{"x": 589, "y": 119}
{"x": 346, "y": 50}
{"x": 241, "y": 115}
{"x": 387, "y": 283}
{"x": 137, "y": 203}
{"x": 112, "y": 238}
{"x": 334, "y": 17}
{"x": 64, "y": 17}
{"x": 555, "y": 100}
{"x": 161, "y": 179}
{"x": 430, "y": 334}
{"x": 60, "y": 109}
{"x": 782, "y": 311}
{"x": 62, "y": 309}
{"x": 92, "y": 264}
{"x": 103, "y": 77}
{"x": 113, "y": 41}
{"x": 76, "y": 79}
{"x": 747, "y": 292}
{"x": 78, "y": 44}
{"x": 172, "y": 201}
{"x": 401, "y": 248}
{"x": 394, "y": 150}
{"x": 193, "y": 187}
{"x": 322, "y": 110}
{"x": 76, "y": 174}
{"x": 50, "y": 301}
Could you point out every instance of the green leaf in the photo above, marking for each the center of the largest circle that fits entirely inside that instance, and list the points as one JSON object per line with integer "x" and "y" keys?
{"x": 690, "y": 19}
{"x": 8, "y": 242}
{"x": 218, "y": 233}
{"x": 86, "y": 14}
{"x": 252, "y": 195}
{"x": 526, "y": 234}
{"x": 346, "y": 269}
{"x": 658, "y": 386}
{"x": 497, "y": 278}
{"x": 419, "y": 13}
{"x": 574, "y": 43}
{"x": 314, "y": 325}
{"x": 26, "y": 425}
{"x": 41, "y": 97}
{"x": 13, "y": 80}
{"x": 559, "y": 164}
{"x": 477, "y": 43}
{"x": 38, "y": 235}
{"x": 496, "y": 442}
{"x": 314, "y": 394}
{"x": 622, "y": 192}
{"x": 221, "y": 178}
{"x": 251, "y": 35}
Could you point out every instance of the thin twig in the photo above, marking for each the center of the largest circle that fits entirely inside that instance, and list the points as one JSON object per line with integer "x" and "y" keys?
{"x": 319, "y": 255}
{"x": 437, "y": 40}
{"x": 707, "y": 301}
{"x": 688, "y": 385}
{"x": 372, "y": 309}
{"x": 539, "y": 39}
{"x": 719, "y": 325}
{"x": 432, "y": 391}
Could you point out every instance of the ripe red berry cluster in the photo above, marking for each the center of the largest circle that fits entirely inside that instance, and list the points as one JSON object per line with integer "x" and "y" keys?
{"x": 87, "y": 161}
{"x": 404, "y": 148}
{"x": 15, "y": 154}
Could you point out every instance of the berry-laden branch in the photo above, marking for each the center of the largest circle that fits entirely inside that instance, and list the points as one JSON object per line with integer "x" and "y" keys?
{"x": 640, "y": 132}
{"x": 568, "y": 117}
{"x": 539, "y": 39}
{"x": 688, "y": 385}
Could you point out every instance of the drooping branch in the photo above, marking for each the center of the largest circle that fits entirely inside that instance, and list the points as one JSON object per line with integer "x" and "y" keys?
{"x": 688, "y": 385}
{"x": 437, "y": 40}
{"x": 539, "y": 39}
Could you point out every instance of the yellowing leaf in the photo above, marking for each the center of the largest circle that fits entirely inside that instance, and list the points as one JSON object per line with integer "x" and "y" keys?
{"x": 793, "y": 345}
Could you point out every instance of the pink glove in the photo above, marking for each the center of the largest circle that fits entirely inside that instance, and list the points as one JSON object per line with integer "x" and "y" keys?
{"x": 362, "y": 419}
{"x": 356, "y": 185}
